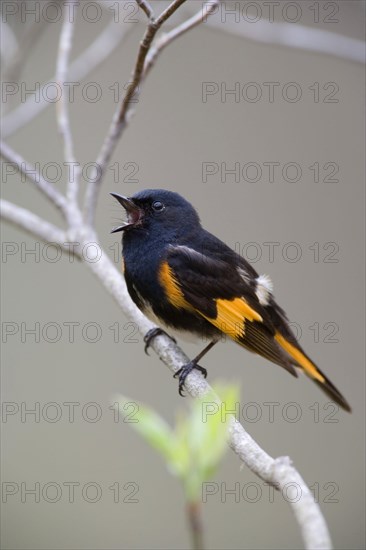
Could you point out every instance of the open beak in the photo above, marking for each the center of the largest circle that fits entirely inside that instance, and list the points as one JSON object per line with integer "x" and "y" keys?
{"x": 134, "y": 213}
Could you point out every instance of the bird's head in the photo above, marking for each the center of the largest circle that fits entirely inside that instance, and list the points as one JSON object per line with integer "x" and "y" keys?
{"x": 157, "y": 209}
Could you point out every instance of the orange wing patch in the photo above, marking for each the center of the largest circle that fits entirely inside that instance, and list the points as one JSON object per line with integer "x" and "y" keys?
{"x": 231, "y": 316}
{"x": 171, "y": 287}
{"x": 303, "y": 361}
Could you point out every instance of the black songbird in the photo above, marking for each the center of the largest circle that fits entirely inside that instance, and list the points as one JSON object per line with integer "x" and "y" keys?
{"x": 186, "y": 279}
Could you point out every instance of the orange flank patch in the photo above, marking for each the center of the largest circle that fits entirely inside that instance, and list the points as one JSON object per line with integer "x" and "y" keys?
{"x": 303, "y": 361}
{"x": 231, "y": 316}
{"x": 171, "y": 287}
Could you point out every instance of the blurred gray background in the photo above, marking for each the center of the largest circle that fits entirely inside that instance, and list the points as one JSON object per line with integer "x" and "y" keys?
{"x": 172, "y": 135}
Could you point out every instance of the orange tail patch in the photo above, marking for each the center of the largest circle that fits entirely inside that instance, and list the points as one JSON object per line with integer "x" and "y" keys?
{"x": 313, "y": 372}
{"x": 300, "y": 358}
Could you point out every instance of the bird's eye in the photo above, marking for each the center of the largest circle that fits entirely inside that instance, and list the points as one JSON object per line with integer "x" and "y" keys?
{"x": 158, "y": 206}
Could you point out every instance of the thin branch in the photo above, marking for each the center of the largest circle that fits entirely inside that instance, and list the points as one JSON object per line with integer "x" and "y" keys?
{"x": 143, "y": 64}
{"x": 120, "y": 121}
{"x": 146, "y": 7}
{"x": 34, "y": 175}
{"x": 62, "y": 107}
{"x": 168, "y": 12}
{"x": 281, "y": 473}
{"x": 193, "y": 511}
{"x": 13, "y": 53}
{"x": 91, "y": 57}
{"x": 201, "y": 16}
{"x": 117, "y": 126}
{"x": 24, "y": 219}
{"x": 145, "y": 45}
{"x": 303, "y": 37}
{"x": 9, "y": 38}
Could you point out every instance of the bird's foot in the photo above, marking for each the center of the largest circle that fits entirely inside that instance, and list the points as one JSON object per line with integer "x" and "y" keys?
{"x": 184, "y": 371}
{"x": 151, "y": 334}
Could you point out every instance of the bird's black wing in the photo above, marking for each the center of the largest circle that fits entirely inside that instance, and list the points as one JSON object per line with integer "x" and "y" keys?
{"x": 224, "y": 295}
{"x": 229, "y": 294}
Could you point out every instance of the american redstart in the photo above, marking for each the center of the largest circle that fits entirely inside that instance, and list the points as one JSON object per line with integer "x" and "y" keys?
{"x": 184, "y": 278}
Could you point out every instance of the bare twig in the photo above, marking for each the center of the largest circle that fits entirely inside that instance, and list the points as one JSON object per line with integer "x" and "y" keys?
{"x": 91, "y": 57}
{"x": 168, "y": 12}
{"x": 31, "y": 223}
{"x": 201, "y": 16}
{"x": 304, "y": 38}
{"x": 282, "y": 474}
{"x": 146, "y": 7}
{"x": 12, "y": 50}
{"x": 31, "y": 173}
{"x": 62, "y": 109}
{"x": 147, "y": 55}
{"x": 151, "y": 30}
{"x": 119, "y": 121}
{"x": 193, "y": 510}
{"x": 12, "y": 46}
